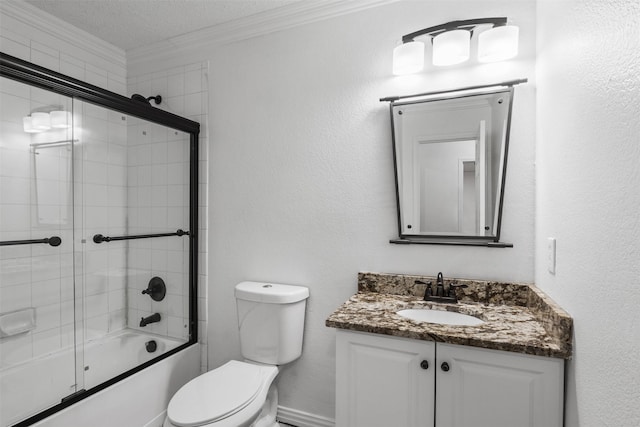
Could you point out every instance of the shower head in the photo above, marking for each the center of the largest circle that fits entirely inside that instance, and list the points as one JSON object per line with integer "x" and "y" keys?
{"x": 137, "y": 97}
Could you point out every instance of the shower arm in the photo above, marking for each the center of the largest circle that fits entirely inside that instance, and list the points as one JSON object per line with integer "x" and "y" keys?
{"x": 99, "y": 238}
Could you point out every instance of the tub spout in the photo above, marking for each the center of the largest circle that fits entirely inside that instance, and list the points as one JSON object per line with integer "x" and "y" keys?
{"x": 149, "y": 319}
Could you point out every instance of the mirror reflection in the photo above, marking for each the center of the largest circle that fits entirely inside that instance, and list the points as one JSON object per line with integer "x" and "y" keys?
{"x": 450, "y": 157}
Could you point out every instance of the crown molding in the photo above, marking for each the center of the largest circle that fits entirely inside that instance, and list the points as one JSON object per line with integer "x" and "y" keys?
{"x": 286, "y": 17}
{"x": 59, "y": 29}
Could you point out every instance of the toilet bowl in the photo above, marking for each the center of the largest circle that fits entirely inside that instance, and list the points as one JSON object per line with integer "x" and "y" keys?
{"x": 242, "y": 394}
{"x": 237, "y": 394}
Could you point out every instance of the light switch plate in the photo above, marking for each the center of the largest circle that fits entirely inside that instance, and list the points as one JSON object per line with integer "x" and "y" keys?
{"x": 551, "y": 255}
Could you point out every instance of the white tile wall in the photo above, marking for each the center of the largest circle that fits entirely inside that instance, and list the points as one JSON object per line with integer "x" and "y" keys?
{"x": 101, "y": 186}
{"x": 160, "y": 158}
{"x": 149, "y": 173}
{"x": 38, "y": 275}
{"x": 35, "y": 202}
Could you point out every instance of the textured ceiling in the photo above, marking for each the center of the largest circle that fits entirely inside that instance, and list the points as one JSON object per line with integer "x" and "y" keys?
{"x": 128, "y": 24}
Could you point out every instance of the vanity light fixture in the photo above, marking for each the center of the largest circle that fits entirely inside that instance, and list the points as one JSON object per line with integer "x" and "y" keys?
{"x": 408, "y": 58}
{"x": 451, "y": 41}
{"x": 498, "y": 44}
{"x": 41, "y": 121}
{"x": 451, "y": 47}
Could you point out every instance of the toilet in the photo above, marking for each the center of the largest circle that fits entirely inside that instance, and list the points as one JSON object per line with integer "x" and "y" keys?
{"x": 242, "y": 393}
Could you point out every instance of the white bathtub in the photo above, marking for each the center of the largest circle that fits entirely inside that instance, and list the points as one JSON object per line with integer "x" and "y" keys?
{"x": 40, "y": 383}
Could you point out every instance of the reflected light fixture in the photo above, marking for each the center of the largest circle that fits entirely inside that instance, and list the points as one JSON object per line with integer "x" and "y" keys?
{"x": 497, "y": 41}
{"x": 41, "y": 121}
{"x": 27, "y": 125}
{"x": 60, "y": 119}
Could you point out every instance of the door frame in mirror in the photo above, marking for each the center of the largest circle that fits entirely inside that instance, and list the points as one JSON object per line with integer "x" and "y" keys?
{"x": 463, "y": 240}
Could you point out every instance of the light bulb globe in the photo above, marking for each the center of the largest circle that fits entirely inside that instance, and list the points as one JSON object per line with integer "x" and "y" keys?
{"x": 408, "y": 58}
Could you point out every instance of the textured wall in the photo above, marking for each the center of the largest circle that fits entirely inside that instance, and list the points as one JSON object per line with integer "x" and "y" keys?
{"x": 302, "y": 187}
{"x": 587, "y": 163}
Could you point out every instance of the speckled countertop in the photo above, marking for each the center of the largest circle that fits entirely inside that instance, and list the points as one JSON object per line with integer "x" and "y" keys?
{"x": 517, "y": 317}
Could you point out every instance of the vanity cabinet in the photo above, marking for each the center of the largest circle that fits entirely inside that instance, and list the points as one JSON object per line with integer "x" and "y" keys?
{"x": 384, "y": 381}
{"x": 390, "y": 381}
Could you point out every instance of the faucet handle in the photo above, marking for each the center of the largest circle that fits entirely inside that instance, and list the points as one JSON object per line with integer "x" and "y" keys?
{"x": 156, "y": 289}
{"x": 428, "y": 291}
{"x": 454, "y": 286}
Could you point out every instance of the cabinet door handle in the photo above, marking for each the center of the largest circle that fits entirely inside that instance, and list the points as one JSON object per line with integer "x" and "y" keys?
{"x": 424, "y": 364}
{"x": 445, "y": 366}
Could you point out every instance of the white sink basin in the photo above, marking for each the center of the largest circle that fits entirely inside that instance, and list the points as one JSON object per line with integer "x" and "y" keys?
{"x": 441, "y": 317}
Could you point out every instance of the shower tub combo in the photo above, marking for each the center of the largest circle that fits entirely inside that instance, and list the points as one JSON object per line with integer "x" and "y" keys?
{"x": 98, "y": 252}
{"x": 104, "y": 358}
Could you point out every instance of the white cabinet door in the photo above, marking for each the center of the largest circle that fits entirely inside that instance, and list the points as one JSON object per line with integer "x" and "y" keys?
{"x": 382, "y": 381}
{"x": 489, "y": 388}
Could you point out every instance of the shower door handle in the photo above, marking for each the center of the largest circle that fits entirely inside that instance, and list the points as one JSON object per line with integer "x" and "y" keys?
{"x": 99, "y": 238}
{"x": 52, "y": 241}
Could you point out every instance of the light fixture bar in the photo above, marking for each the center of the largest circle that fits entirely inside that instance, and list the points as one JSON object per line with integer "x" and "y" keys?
{"x": 452, "y": 44}
{"x": 468, "y": 24}
{"x": 462, "y": 89}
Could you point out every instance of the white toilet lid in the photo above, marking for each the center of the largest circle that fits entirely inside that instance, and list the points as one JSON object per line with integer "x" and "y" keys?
{"x": 215, "y": 395}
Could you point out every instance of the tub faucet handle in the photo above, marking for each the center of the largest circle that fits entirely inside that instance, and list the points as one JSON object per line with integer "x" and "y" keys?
{"x": 156, "y": 289}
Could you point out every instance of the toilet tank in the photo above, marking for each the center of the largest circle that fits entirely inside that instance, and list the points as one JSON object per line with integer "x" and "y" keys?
{"x": 271, "y": 321}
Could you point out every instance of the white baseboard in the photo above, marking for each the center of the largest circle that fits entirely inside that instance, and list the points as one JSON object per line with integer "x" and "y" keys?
{"x": 303, "y": 419}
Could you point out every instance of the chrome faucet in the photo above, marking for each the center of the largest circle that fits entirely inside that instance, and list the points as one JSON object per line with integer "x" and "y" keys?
{"x": 441, "y": 295}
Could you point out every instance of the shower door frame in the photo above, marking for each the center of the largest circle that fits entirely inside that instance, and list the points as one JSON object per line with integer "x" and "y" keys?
{"x": 44, "y": 78}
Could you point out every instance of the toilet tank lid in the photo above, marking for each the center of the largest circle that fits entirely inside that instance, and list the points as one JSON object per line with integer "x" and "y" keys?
{"x": 272, "y": 293}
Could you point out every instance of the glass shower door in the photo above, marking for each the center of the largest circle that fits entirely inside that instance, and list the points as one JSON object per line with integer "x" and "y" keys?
{"x": 132, "y": 193}
{"x": 37, "y": 292}
{"x": 98, "y": 223}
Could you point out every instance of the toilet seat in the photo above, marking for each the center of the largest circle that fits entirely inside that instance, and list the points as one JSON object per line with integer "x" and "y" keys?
{"x": 216, "y": 395}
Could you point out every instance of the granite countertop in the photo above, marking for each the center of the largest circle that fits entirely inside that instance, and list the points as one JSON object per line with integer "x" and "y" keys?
{"x": 517, "y": 317}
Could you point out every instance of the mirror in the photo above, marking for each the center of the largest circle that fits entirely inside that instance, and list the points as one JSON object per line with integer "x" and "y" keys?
{"x": 450, "y": 158}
